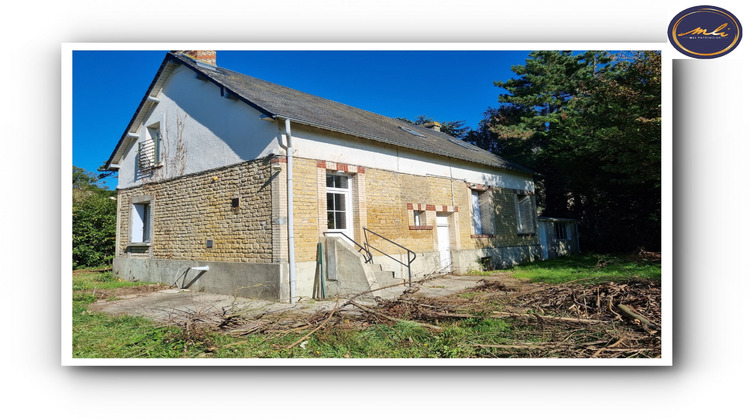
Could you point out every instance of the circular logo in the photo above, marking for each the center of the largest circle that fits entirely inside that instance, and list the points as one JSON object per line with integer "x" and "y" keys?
{"x": 705, "y": 32}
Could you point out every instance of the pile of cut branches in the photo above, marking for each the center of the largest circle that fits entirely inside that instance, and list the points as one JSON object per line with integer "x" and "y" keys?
{"x": 569, "y": 320}
{"x": 599, "y": 301}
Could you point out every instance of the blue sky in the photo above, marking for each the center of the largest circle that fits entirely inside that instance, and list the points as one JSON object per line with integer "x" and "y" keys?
{"x": 443, "y": 85}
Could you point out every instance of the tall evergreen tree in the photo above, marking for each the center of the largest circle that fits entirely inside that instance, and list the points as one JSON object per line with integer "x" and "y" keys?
{"x": 456, "y": 128}
{"x": 590, "y": 124}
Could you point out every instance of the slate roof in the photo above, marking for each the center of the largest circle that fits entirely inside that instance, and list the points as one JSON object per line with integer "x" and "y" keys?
{"x": 279, "y": 101}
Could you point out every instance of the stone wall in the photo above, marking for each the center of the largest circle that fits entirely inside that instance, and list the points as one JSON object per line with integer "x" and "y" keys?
{"x": 189, "y": 211}
{"x": 505, "y": 223}
{"x": 393, "y": 197}
{"x": 242, "y": 210}
{"x": 385, "y": 201}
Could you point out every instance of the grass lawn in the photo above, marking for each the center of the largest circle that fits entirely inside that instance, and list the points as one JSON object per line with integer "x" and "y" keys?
{"x": 587, "y": 268}
{"x": 98, "y": 335}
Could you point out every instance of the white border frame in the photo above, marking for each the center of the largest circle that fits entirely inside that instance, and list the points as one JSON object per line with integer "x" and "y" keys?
{"x": 668, "y": 54}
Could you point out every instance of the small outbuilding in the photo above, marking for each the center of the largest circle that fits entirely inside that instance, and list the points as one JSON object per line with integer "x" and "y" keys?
{"x": 558, "y": 237}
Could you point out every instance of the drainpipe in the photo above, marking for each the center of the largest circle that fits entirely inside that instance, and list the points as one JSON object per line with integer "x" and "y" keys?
{"x": 290, "y": 209}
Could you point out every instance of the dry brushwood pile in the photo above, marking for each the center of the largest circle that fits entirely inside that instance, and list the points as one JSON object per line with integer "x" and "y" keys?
{"x": 569, "y": 320}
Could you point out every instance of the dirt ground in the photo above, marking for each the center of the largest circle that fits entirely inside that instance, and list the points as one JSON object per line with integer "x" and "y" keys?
{"x": 565, "y": 320}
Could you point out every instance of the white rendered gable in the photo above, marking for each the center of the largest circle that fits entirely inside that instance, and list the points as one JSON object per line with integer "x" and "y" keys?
{"x": 200, "y": 129}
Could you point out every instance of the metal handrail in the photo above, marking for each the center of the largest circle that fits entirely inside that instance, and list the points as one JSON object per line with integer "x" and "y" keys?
{"x": 367, "y": 254}
{"x": 411, "y": 255}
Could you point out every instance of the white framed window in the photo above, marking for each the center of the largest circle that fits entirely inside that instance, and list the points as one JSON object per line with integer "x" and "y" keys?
{"x": 420, "y": 218}
{"x": 339, "y": 203}
{"x": 140, "y": 221}
{"x": 525, "y": 214}
{"x": 482, "y": 212}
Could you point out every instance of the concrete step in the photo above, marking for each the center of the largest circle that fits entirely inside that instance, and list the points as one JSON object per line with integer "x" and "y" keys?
{"x": 386, "y": 278}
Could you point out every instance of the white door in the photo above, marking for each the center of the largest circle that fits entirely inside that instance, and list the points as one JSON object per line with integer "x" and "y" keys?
{"x": 444, "y": 242}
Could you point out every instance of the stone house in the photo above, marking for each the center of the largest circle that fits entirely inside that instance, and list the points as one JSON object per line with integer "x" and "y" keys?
{"x": 212, "y": 159}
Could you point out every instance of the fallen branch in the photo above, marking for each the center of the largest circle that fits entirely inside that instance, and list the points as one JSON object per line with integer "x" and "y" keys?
{"x": 517, "y": 346}
{"x": 627, "y": 350}
{"x": 547, "y": 317}
{"x": 550, "y": 344}
{"x": 351, "y": 301}
{"x": 333, "y": 311}
{"x": 630, "y": 313}
{"x": 390, "y": 318}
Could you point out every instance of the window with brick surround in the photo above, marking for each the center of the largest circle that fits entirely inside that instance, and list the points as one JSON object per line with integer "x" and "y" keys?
{"x": 525, "y": 214}
{"x": 338, "y": 203}
{"x": 420, "y": 218}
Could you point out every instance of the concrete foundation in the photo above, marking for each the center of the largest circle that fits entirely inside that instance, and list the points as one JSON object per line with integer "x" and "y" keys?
{"x": 463, "y": 261}
{"x": 250, "y": 280}
{"x": 499, "y": 257}
{"x": 346, "y": 272}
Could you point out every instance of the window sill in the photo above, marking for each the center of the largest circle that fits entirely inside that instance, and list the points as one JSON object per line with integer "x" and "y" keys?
{"x": 483, "y": 236}
{"x": 138, "y": 244}
{"x": 420, "y": 227}
{"x": 152, "y": 168}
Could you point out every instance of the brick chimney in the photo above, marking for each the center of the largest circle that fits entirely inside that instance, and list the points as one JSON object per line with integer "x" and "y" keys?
{"x": 435, "y": 126}
{"x": 206, "y": 56}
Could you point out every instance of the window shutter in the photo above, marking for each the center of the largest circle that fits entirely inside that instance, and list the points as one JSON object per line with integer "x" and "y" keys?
{"x": 525, "y": 214}
{"x": 488, "y": 212}
{"x": 146, "y": 154}
{"x": 477, "y": 214}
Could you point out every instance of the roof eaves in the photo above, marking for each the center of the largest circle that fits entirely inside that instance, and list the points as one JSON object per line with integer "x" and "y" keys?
{"x": 138, "y": 110}
{"x": 190, "y": 63}
{"x": 187, "y": 61}
{"x": 399, "y": 145}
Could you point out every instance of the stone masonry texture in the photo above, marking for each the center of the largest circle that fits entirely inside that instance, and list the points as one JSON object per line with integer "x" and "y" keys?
{"x": 381, "y": 202}
{"x": 190, "y": 210}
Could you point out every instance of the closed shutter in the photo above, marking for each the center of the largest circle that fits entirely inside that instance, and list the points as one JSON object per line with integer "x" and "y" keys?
{"x": 477, "y": 214}
{"x": 488, "y": 212}
{"x": 146, "y": 154}
{"x": 525, "y": 214}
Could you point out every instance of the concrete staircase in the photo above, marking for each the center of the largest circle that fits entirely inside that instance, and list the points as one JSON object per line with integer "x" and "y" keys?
{"x": 349, "y": 275}
{"x": 384, "y": 277}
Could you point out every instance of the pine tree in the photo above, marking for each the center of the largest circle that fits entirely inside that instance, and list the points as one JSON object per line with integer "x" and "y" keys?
{"x": 590, "y": 124}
